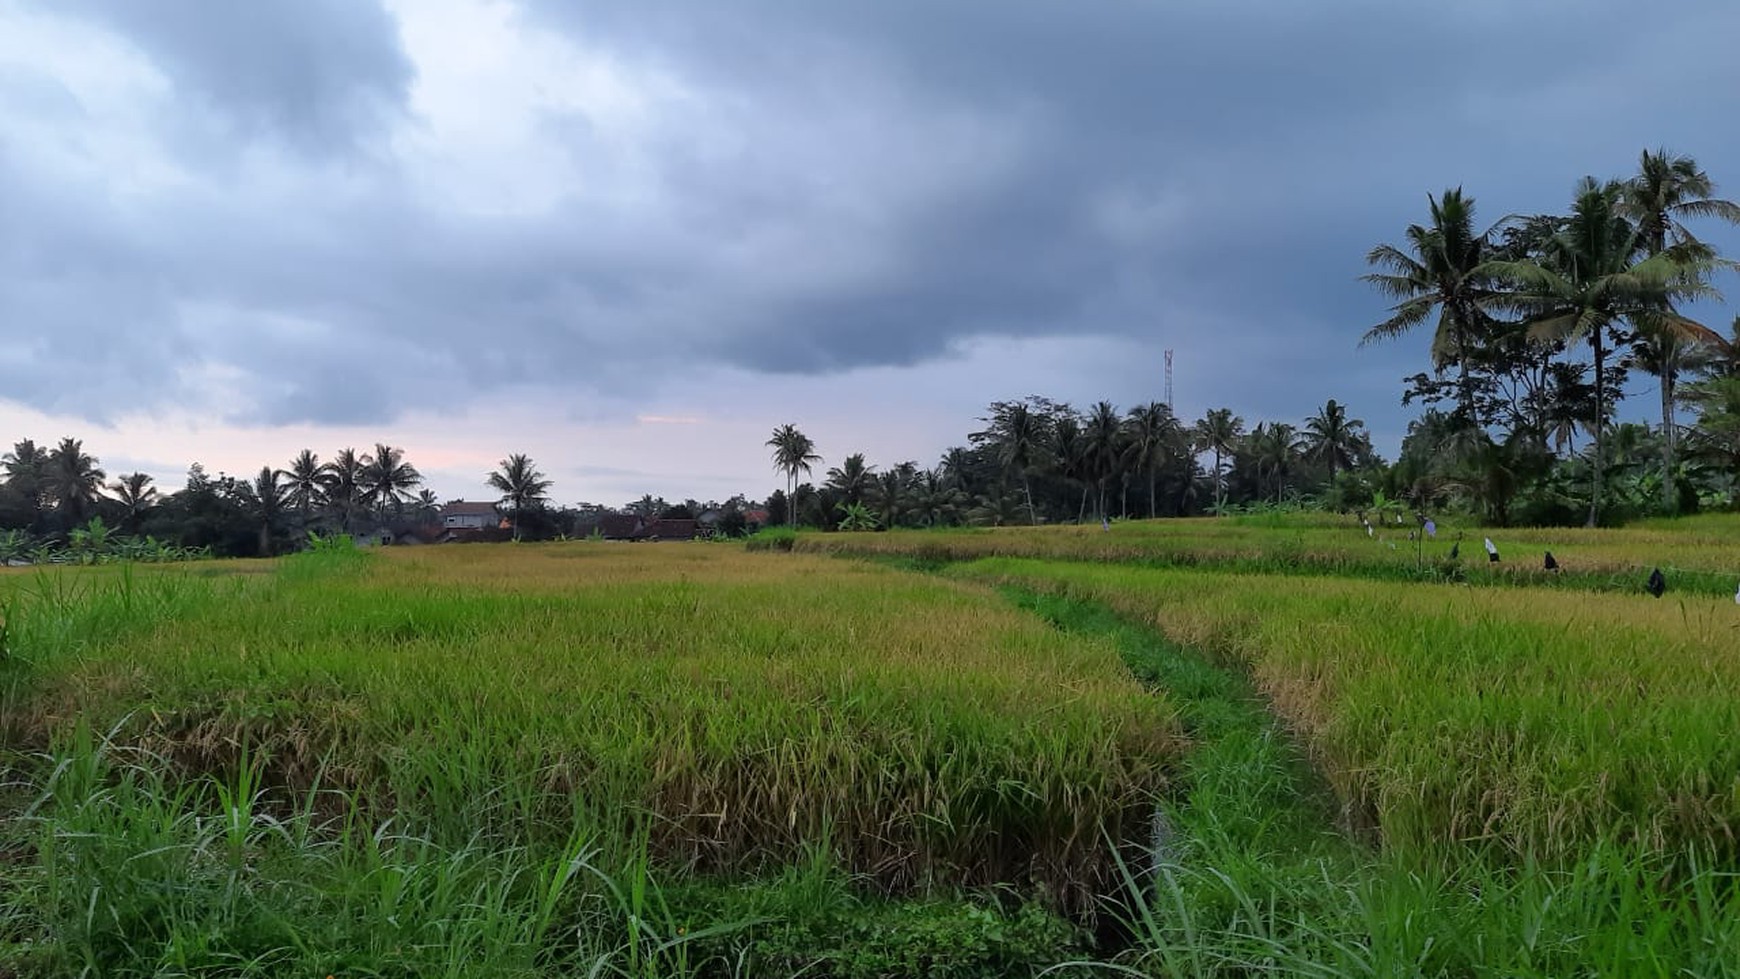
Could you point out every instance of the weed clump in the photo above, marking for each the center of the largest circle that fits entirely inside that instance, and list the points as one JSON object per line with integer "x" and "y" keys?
{"x": 772, "y": 539}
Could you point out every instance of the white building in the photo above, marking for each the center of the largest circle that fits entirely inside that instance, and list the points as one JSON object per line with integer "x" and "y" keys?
{"x": 460, "y": 515}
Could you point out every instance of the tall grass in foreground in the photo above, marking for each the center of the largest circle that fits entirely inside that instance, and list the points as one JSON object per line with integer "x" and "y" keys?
{"x": 136, "y": 872}
{"x": 1614, "y": 911}
{"x": 1511, "y": 724}
{"x": 57, "y": 616}
{"x": 143, "y": 874}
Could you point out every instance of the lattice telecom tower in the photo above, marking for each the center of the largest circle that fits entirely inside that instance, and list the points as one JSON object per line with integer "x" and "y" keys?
{"x": 1169, "y": 380}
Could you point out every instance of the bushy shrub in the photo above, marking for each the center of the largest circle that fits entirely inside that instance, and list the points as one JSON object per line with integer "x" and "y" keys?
{"x": 772, "y": 539}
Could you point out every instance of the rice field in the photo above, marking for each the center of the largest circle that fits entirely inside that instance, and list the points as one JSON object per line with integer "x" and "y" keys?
{"x": 1697, "y": 554}
{"x": 1268, "y": 745}
{"x": 729, "y": 714}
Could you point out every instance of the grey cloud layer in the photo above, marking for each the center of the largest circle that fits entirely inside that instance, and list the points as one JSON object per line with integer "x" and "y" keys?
{"x": 842, "y": 184}
{"x": 321, "y": 74}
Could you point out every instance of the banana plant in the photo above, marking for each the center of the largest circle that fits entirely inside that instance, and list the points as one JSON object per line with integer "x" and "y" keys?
{"x": 14, "y": 546}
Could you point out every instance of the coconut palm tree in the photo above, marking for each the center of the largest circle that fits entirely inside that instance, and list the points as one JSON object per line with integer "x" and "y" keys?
{"x": 996, "y": 509}
{"x": 1716, "y": 437}
{"x": 851, "y": 479}
{"x": 1219, "y": 432}
{"x": 793, "y": 452}
{"x": 344, "y": 488}
{"x": 309, "y": 480}
{"x": 1068, "y": 457}
{"x": 1589, "y": 281}
{"x": 428, "y": 505}
{"x": 1103, "y": 440}
{"x": 136, "y": 495}
{"x": 1333, "y": 438}
{"x": 958, "y": 464}
{"x": 26, "y": 467}
{"x": 521, "y": 486}
{"x": 1155, "y": 438}
{"x": 387, "y": 479}
{"x": 936, "y": 499}
{"x": 1666, "y": 189}
{"x": 891, "y": 492}
{"x": 1443, "y": 268}
{"x": 1275, "y": 447}
{"x": 74, "y": 482}
{"x": 269, "y": 500}
{"x": 24, "y": 463}
{"x": 1018, "y": 436}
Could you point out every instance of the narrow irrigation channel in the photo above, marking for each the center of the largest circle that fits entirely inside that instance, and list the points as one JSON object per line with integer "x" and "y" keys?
{"x": 1254, "y": 872}
{"x": 1247, "y": 813}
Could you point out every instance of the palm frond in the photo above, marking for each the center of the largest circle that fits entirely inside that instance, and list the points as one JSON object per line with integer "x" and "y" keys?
{"x": 1673, "y": 324}
{"x": 1391, "y": 257}
{"x": 1395, "y": 286}
{"x": 1721, "y": 210}
{"x": 1555, "y": 327}
{"x": 1407, "y": 316}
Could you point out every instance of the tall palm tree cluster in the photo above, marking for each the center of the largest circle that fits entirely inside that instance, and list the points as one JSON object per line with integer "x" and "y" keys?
{"x": 346, "y": 491}
{"x": 53, "y": 488}
{"x": 1042, "y": 461}
{"x": 48, "y": 497}
{"x": 50, "y": 492}
{"x": 1537, "y": 322}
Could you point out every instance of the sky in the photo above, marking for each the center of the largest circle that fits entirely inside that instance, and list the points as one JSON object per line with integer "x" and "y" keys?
{"x": 631, "y": 237}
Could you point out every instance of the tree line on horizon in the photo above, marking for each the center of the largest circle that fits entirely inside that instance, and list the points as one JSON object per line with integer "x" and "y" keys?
{"x": 1037, "y": 460}
{"x": 58, "y": 503}
{"x": 49, "y": 495}
{"x": 59, "y": 500}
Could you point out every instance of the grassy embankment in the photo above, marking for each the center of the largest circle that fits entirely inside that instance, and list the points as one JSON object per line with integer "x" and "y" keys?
{"x": 488, "y": 760}
{"x": 1697, "y": 554}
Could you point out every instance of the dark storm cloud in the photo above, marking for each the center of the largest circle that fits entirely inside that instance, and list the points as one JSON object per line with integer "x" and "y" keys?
{"x": 77, "y": 284}
{"x": 1291, "y": 138}
{"x": 321, "y": 74}
{"x": 840, "y": 184}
